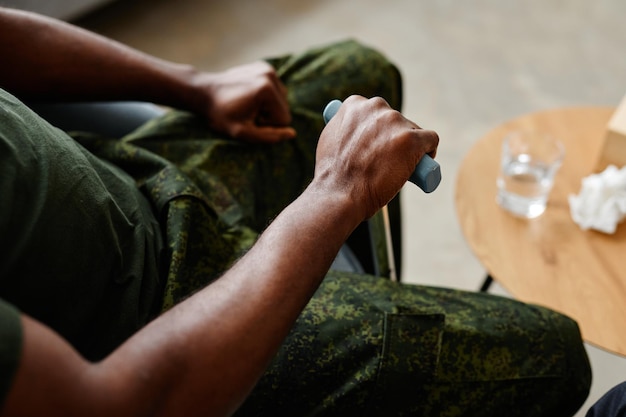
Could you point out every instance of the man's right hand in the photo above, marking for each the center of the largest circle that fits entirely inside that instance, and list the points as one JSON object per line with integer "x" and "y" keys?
{"x": 368, "y": 150}
{"x": 247, "y": 102}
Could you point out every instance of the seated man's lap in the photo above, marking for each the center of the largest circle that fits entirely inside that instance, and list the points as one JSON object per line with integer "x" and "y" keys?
{"x": 367, "y": 346}
{"x": 263, "y": 179}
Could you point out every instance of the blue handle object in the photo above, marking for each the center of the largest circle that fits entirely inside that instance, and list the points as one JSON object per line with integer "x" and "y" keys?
{"x": 427, "y": 174}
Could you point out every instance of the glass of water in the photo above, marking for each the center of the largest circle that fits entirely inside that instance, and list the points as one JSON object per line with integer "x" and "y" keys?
{"x": 528, "y": 164}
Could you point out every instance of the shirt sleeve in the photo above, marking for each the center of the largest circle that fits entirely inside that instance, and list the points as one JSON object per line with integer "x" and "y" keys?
{"x": 10, "y": 346}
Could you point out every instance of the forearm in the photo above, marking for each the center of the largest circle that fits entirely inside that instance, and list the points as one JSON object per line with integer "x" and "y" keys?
{"x": 223, "y": 337}
{"x": 205, "y": 355}
{"x": 45, "y": 59}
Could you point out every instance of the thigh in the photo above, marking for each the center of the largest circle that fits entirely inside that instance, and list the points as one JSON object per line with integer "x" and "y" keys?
{"x": 213, "y": 194}
{"x": 336, "y": 71}
{"x": 367, "y": 346}
{"x": 263, "y": 179}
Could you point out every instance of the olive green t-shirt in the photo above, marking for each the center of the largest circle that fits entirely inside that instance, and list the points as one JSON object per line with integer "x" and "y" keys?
{"x": 79, "y": 243}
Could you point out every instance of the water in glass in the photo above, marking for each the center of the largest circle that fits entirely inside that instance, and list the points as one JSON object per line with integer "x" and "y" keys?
{"x": 524, "y": 185}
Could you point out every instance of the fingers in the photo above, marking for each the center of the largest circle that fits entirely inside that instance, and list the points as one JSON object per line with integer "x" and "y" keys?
{"x": 272, "y": 117}
{"x": 271, "y": 134}
{"x": 429, "y": 141}
{"x": 252, "y": 133}
{"x": 370, "y": 150}
{"x": 274, "y": 110}
{"x": 392, "y": 127}
{"x": 248, "y": 102}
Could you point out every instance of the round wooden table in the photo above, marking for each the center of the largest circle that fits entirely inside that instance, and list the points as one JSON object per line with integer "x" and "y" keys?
{"x": 549, "y": 260}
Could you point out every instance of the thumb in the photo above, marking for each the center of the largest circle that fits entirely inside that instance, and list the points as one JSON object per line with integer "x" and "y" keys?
{"x": 266, "y": 134}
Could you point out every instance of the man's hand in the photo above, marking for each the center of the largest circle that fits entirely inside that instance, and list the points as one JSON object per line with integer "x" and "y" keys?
{"x": 368, "y": 151}
{"x": 247, "y": 102}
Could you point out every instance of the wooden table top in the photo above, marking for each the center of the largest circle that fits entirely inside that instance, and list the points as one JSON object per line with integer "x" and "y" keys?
{"x": 549, "y": 260}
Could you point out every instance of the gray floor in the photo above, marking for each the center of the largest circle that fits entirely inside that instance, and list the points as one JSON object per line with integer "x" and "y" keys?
{"x": 467, "y": 65}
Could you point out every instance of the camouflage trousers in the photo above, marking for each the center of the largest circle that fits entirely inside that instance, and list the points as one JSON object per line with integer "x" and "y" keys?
{"x": 364, "y": 346}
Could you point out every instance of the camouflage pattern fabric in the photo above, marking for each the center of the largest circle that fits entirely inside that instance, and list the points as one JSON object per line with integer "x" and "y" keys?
{"x": 364, "y": 345}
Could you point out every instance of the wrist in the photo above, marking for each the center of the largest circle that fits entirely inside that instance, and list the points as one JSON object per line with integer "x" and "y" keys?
{"x": 341, "y": 211}
{"x": 182, "y": 90}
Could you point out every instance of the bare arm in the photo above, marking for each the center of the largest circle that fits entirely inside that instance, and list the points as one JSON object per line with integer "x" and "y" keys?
{"x": 49, "y": 60}
{"x": 205, "y": 355}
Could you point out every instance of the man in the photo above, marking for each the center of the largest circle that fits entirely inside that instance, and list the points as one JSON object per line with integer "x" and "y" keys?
{"x": 140, "y": 276}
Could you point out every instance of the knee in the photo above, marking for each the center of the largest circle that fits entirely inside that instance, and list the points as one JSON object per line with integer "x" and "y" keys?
{"x": 359, "y": 69}
{"x": 576, "y": 381}
{"x": 383, "y": 76}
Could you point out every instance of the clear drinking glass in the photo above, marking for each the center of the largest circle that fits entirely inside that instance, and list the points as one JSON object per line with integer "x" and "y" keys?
{"x": 529, "y": 162}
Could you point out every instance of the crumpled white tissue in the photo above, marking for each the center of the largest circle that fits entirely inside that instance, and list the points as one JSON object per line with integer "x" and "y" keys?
{"x": 601, "y": 203}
